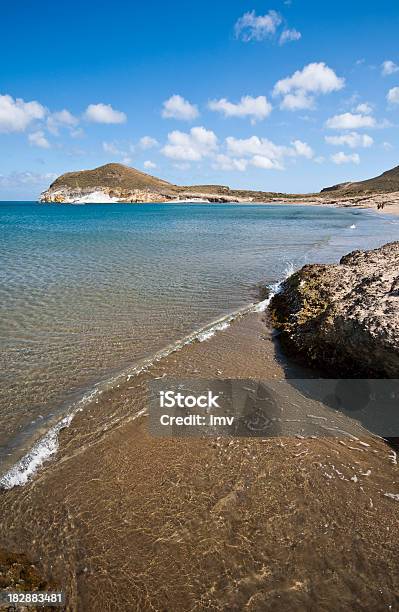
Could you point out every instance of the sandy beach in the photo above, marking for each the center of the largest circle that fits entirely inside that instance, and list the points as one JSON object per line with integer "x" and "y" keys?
{"x": 389, "y": 201}
{"x": 122, "y": 520}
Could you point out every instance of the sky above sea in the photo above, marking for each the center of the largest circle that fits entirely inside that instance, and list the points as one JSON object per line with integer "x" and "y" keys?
{"x": 281, "y": 96}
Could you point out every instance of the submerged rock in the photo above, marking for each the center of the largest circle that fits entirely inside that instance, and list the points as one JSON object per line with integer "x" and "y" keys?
{"x": 344, "y": 318}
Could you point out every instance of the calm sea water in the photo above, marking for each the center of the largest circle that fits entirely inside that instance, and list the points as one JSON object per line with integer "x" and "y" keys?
{"x": 86, "y": 291}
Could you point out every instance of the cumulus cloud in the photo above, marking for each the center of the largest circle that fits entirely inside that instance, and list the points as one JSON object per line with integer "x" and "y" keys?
{"x": 389, "y": 67}
{"x": 149, "y": 164}
{"x": 224, "y": 162}
{"x": 176, "y": 107}
{"x": 257, "y": 27}
{"x": 260, "y": 161}
{"x": 254, "y": 146}
{"x": 299, "y": 100}
{"x": 365, "y": 108}
{"x": 343, "y": 158}
{"x": 62, "y": 118}
{"x": 16, "y": 115}
{"x": 38, "y": 139}
{"x": 254, "y": 108}
{"x": 288, "y": 36}
{"x": 264, "y": 153}
{"x": 104, "y": 113}
{"x": 147, "y": 142}
{"x": 192, "y": 146}
{"x": 350, "y": 121}
{"x": 298, "y": 91}
{"x": 393, "y": 95}
{"x": 303, "y": 149}
{"x": 352, "y": 140}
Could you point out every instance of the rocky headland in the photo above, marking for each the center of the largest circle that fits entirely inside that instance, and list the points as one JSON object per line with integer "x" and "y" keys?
{"x": 118, "y": 183}
{"x": 344, "y": 317}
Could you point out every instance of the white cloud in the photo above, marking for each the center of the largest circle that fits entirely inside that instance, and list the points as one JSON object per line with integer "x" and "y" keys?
{"x": 254, "y": 146}
{"x": 257, "y": 27}
{"x": 297, "y": 101}
{"x": 303, "y": 149}
{"x": 343, "y": 158}
{"x": 393, "y": 95}
{"x": 350, "y": 121}
{"x": 255, "y": 108}
{"x": 112, "y": 148}
{"x": 191, "y": 146}
{"x": 365, "y": 108}
{"x": 298, "y": 90}
{"x": 260, "y": 161}
{"x": 352, "y": 140}
{"x": 224, "y": 162}
{"x": 16, "y": 115}
{"x": 147, "y": 142}
{"x": 387, "y": 146}
{"x": 104, "y": 113}
{"x": 149, "y": 164}
{"x": 389, "y": 67}
{"x": 38, "y": 139}
{"x": 315, "y": 78}
{"x": 264, "y": 153}
{"x": 289, "y": 35}
{"x": 176, "y": 107}
{"x": 237, "y": 154}
{"x": 61, "y": 118}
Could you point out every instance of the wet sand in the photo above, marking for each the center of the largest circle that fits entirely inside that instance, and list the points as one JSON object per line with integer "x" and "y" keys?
{"x": 121, "y": 520}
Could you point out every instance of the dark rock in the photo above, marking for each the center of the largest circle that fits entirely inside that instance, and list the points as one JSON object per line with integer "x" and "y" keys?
{"x": 344, "y": 318}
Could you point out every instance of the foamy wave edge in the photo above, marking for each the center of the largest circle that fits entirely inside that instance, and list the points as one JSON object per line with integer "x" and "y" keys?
{"x": 47, "y": 446}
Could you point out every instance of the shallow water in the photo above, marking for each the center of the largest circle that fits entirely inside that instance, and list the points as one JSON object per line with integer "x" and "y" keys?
{"x": 87, "y": 291}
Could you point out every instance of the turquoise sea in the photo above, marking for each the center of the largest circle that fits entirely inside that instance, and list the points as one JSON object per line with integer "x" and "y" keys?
{"x": 87, "y": 291}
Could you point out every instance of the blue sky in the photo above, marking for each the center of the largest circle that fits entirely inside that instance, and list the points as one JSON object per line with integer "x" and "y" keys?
{"x": 282, "y": 96}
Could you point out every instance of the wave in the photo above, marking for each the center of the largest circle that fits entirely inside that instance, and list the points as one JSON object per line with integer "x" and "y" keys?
{"x": 47, "y": 446}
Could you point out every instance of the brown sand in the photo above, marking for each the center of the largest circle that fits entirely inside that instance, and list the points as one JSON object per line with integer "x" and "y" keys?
{"x": 124, "y": 521}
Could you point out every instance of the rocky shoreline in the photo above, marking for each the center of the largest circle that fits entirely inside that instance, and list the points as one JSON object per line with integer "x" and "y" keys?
{"x": 344, "y": 317}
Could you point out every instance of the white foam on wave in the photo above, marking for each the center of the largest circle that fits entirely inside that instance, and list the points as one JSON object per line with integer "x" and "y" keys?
{"x": 44, "y": 449}
{"x": 20, "y": 473}
{"x": 353, "y": 226}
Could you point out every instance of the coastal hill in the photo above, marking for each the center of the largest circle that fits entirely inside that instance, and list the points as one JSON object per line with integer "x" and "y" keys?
{"x": 386, "y": 182}
{"x": 119, "y": 183}
{"x": 113, "y": 176}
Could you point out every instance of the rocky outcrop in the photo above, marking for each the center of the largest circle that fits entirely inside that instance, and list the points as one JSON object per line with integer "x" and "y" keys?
{"x": 344, "y": 318}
